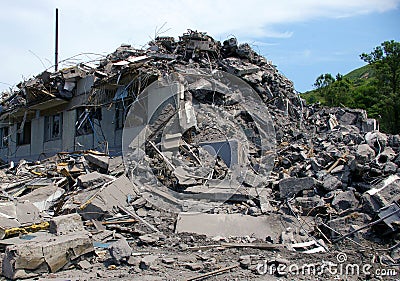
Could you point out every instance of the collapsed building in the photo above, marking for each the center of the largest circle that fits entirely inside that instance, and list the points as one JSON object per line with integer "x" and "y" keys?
{"x": 121, "y": 155}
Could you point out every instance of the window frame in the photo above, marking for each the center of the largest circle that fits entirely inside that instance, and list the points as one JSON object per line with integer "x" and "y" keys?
{"x": 4, "y": 137}
{"x": 22, "y": 137}
{"x": 86, "y": 120}
{"x": 121, "y": 110}
{"x": 49, "y": 123}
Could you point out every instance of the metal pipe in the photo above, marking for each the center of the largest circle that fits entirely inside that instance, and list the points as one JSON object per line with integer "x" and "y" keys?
{"x": 56, "y": 44}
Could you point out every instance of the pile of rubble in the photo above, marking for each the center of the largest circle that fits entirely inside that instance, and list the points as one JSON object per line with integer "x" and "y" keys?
{"x": 330, "y": 187}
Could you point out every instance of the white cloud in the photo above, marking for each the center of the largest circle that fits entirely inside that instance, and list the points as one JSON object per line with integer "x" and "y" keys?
{"x": 101, "y": 25}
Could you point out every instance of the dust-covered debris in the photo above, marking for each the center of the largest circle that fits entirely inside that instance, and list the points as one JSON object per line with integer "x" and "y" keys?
{"x": 326, "y": 191}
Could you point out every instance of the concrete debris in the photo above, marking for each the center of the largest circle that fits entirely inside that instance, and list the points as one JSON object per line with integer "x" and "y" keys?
{"x": 65, "y": 224}
{"x": 129, "y": 177}
{"x": 233, "y": 225}
{"x": 98, "y": 160}
{"x": 105, "y": 200}
{"x": 44, "y": 254}
{"x": 345, "y": 200}
{"x": 120, "y": 250}
{"x": 148, "y": 262}
{"x": 45, "y": 197}
{"x": 93, "y": 178}
{"x": 291, "y": 186}
{"x": 391, "y": 216}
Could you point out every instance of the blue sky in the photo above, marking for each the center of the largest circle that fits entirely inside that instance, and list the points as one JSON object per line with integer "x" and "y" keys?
{"x": 330, "y": 45}
{"x": 303, "y": 38}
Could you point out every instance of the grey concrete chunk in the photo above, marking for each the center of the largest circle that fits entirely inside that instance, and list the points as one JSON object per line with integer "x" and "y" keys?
{"x": 149, "y": 238}
{"x": 148, "y": 261}
{"x": 92, "y": 179}
{"x": 308, "y": 203}
{"x": 98, "y": 160}
{"x": 390, "y": 168}
{"x": 120, "y": 250}
{"x": 66, "y": 224}
{"x": 331, "y": 183}
{"x": 44, "y": 197}
{"x": 194, "y": 266}
{"x": 229, "y": 225}
{"x": 291, "y": 186}
{"x": 108, "y": 198}
{"x": 345, "y": 200}
{"x": 364, "y": 154}
{"x": 48, "y": 253}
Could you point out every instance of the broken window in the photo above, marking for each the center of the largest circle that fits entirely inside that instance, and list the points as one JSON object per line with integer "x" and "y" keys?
{"x": 3, "y": 137}
{"x": 121, "y": 109}
{"x": 85, "y": 117}
{"x": 24, "y": 133}
{"x": 52, "y": 127}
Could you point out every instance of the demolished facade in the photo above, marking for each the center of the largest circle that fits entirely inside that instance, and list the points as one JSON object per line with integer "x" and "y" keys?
{"x": 202, "y": 126}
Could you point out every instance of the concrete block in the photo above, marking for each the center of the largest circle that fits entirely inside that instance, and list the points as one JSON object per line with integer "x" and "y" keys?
{"x": 98, "y": 160}
{"x": 120, "y": 250}
{"x": 364, "y": 154}
{"x": 148, "y": 261}
{"x": 292, "y": 186}
{"x": 331, "y": 183}
{"x": 345, "y": 200}
{"x": 41, "y": 254}
{"x": 107, "y": 199}
{"x": 229, "y": 225}
{"x": 66, "y": 224}
{"x": 44, "y": 197}
{"x": 91, "y": 179}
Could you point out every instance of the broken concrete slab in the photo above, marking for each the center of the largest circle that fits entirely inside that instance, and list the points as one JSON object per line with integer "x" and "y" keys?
{"x": 48, "y": 253}
{"x": 391, "y": 216}
{"x": 364, "y": 154}
{"x": 345, "y": 200}
{"x": 65, "y": 224}
{"x": 106, "y": 200}
{"x": 309, "y": 203}
{"x": 44, "y": 197}
{"x": 120, "y": 250}
{"x": 149, "y": 238}
{"x": 291, "y": 186}
{"x": 385, "y": 192}
{"x": 228, "y": 225}
{"x": 331, "y": 183}
{"x": 100, "y": 161}
{"x": 148, "y": 261}
{"x": 116, "y": 166}
{"x": 16, "y": 214}
{"x": 93, "y": 179}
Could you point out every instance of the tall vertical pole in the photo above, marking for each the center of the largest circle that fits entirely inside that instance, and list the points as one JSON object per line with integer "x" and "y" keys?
{"x": 56, "y": 44}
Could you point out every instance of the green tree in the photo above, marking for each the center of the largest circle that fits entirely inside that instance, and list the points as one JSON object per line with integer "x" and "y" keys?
{"x": 324, "y": 80}
{"x": 340, "y": 91}
{"x": 385, "y": 59}
{"x": 335, "y": 92}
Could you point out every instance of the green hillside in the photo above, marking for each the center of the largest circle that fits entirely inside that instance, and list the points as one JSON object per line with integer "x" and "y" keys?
{"x": 361, "y": 73}
{"x": 374, "y": 87}
{"x": 356, "y": 89}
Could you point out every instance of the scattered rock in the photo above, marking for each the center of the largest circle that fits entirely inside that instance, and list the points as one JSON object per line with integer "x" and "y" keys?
{"x": 331, "y": 183}
{"x": 120, "y": 250}
{"x": 292, "y": 186}
{"x": 194, "y": 266}
{"x": 345, "y": 200}
{"x": 148, "y": 238}
{"x": 148, "y": 262}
